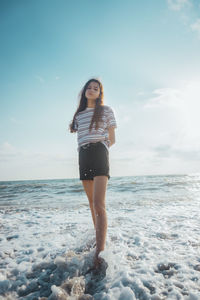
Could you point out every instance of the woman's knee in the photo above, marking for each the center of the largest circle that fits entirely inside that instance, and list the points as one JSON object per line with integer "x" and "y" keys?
{"x": 99, "y": 209}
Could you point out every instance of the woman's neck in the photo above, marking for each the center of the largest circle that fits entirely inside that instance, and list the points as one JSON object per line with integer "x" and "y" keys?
{"x": 90, "y": 104}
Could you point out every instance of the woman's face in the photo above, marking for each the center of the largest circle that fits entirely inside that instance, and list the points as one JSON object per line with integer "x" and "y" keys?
{"x": 92, "y": 91}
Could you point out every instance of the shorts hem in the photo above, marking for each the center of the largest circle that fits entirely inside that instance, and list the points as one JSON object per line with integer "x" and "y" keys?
{"x": 92, "y": 178}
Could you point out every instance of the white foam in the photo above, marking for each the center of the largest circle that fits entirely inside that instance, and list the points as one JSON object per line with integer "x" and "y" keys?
{"x": 152, "y": 249}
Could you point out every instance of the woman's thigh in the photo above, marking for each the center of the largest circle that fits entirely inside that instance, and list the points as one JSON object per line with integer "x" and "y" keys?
{"x": 88, "y": 187}
{"x": 99, "y": 190}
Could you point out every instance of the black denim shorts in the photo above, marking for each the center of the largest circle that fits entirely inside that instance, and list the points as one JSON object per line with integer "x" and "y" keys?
{"x": 93, "y": 161}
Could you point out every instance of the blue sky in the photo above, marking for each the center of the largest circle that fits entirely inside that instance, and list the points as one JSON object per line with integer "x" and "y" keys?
{"x": 145, "y": 52}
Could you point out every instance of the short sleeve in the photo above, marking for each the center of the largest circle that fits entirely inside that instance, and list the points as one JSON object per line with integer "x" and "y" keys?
{"x": 75, "y": 123}
{"x": 111, "y": 121}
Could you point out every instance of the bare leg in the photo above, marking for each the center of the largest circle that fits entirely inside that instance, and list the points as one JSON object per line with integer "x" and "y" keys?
{"x": 88, "y": 187}
{"x": 99, "y": 193}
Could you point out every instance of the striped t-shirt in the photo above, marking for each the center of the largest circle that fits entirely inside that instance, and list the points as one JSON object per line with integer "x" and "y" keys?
{"x": 82, "y": 124}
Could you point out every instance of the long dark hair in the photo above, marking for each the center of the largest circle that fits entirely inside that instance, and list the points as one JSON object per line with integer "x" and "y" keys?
{"x": 98, "y": 110}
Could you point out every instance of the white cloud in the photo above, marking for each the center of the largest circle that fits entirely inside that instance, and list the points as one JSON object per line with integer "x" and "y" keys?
{"x": 41, "y": 79}
{"x": 185, "y": 15}
{"x": 177, "y": 4}
{"x": 20, "y": 164}
{"x": 165, "y": 97}
{"x": 179, "y": 109}
{"x": 162, "y": 135}
{"x": 184, "y": 100}
{"x": 196, "y": 27}
{"x": 7, "y": 148}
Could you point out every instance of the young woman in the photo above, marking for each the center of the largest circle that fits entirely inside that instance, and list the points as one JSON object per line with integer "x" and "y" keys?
{"x": 95, "y": 124}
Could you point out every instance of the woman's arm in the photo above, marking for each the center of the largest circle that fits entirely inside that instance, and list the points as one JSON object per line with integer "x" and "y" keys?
{"x": 111, "y": 132}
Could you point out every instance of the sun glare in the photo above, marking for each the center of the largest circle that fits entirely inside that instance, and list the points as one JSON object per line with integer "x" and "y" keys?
{"x": 190, "y": 107}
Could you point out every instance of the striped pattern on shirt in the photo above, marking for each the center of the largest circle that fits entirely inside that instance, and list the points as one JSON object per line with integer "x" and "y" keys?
{"x": 82, "y": 123}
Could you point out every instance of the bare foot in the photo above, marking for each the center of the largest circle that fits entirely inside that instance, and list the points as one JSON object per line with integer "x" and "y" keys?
{"x": 97, "y": 261}
{"x": 99, "y": 267}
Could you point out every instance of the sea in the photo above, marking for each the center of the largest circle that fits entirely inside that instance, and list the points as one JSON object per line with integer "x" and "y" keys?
{"x": 152, "y": 251}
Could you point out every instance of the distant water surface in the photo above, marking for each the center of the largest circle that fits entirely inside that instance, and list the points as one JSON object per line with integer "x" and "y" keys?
{"x": 66, "y": 192}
